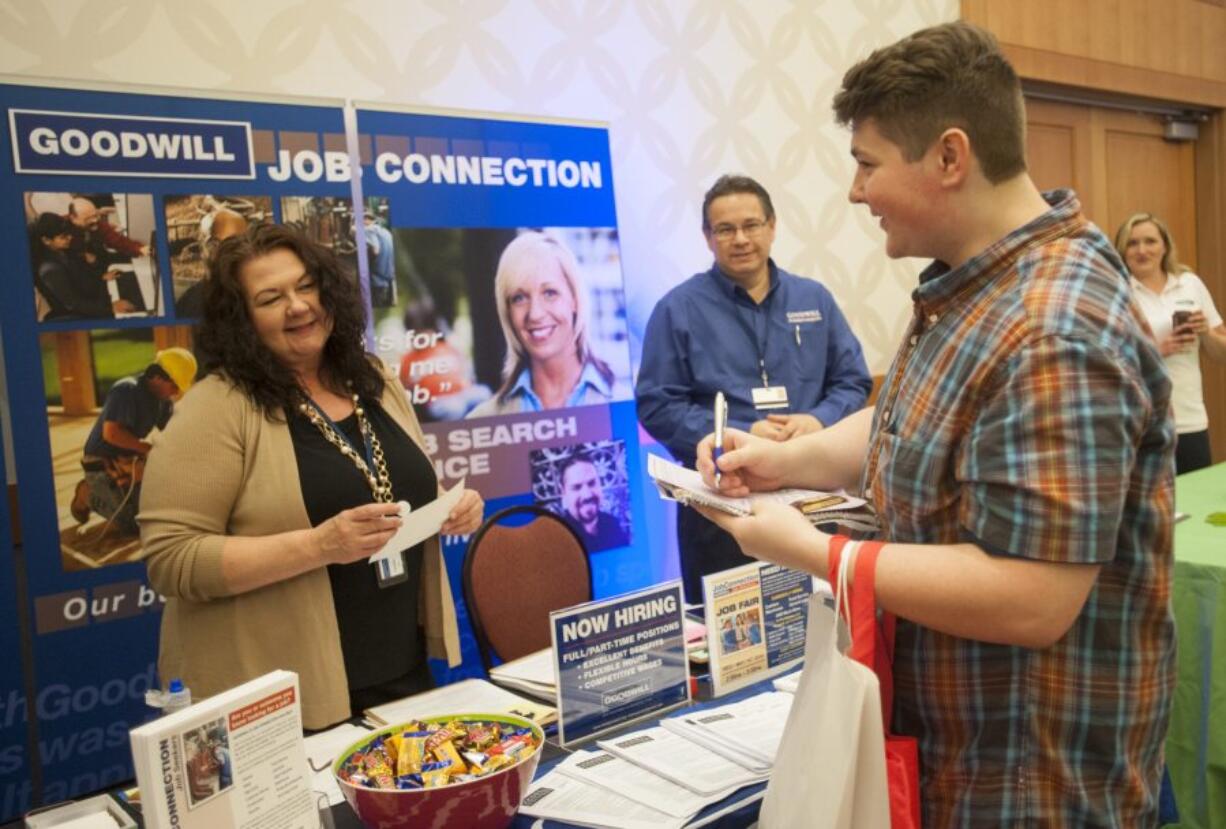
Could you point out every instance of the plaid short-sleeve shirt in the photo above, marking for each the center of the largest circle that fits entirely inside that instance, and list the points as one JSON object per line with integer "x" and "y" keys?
{"x": 1028, "y": 412}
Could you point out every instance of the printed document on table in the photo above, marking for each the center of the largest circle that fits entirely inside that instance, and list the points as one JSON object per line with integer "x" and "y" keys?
{"x": 531, "y": 674}
{"x": 701, "y": 737}
{"x": 463, "y": 696}
{"x": 555, "y": 796}
{"x": 322, "y": 750}
{"x": 601, "y": 768}
{"x": 420, "y": 524}
{"x": 751, "y": 728}
{"x": 682, "y": 761}
{"x": 536, "y": 668}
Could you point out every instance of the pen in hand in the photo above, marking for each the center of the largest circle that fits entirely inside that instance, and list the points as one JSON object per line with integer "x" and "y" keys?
{"x": 721, "y": 423}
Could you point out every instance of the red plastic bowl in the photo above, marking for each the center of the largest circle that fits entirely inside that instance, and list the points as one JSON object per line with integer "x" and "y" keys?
{"x": 488, "y": 802}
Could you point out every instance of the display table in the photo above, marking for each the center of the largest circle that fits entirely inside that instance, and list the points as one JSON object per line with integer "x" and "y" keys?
{"x": 737, "y": 810}
{"x": 1196, "y": 742}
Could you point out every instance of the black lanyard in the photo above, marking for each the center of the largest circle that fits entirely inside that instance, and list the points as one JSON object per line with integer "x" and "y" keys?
{"x": 751, "y": 328}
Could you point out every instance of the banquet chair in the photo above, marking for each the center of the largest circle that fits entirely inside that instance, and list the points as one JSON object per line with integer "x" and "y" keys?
{"x": 515, "y": 573}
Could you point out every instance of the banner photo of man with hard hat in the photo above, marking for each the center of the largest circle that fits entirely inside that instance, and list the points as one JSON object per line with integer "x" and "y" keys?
{"x": 109, "y": 393}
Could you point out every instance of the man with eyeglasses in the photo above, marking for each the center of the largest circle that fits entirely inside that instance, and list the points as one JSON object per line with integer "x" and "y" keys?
{"x": 775, "y": 344}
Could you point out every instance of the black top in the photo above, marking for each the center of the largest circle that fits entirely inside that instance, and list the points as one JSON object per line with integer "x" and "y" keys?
{"x": 608, "y": 535}
{"x": 380, "y": 637}
{"x": 72, "y": 290}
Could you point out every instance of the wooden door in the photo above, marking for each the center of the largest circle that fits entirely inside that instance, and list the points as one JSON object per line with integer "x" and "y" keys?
{"x": 1119, "y": 164}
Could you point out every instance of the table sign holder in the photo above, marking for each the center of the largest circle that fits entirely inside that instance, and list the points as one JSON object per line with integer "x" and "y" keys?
{"x": 618, "y": 660}
{"x": 755, "y": 617}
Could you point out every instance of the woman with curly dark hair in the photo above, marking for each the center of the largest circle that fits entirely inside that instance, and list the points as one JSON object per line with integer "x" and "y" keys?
{"x": 277, "y": 478}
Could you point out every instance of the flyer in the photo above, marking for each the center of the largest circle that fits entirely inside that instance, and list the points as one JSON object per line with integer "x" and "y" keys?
{"x": 755, "y": 617}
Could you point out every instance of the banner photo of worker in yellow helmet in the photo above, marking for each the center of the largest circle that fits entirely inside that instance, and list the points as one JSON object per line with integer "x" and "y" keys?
{"x": 110, "y": 392}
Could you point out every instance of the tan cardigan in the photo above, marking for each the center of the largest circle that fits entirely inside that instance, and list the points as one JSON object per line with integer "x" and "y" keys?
{"x": 221, "y": 468}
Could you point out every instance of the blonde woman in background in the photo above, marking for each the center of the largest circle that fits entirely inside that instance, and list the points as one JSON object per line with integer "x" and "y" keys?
{"x": 543, "y": 307}
{"x": 1181, "y": 315}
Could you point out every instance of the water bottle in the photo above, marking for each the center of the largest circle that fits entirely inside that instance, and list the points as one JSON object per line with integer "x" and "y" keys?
{"x": 176, "y": 697}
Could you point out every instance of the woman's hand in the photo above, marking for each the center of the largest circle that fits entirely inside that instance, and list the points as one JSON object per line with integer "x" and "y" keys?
{"x": 357, "y": 533}
{"x": 1197, "y": 323}
{"x": 1182, "y": 338}
{"x": 466, "y": 516}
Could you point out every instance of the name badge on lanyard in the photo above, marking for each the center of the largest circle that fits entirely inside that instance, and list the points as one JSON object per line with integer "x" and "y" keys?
{"x": 391, "y": 570}
{"x": 770, "y": 397}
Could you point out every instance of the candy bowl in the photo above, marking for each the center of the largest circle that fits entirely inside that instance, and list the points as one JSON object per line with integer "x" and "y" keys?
{"x": 467, "y": 770}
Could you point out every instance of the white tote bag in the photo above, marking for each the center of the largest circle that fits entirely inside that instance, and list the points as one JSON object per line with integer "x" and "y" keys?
{"x": 830, "y": 768}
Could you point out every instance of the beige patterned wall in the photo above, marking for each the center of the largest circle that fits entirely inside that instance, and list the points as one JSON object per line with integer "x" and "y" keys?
{"x": 690, "y": 89}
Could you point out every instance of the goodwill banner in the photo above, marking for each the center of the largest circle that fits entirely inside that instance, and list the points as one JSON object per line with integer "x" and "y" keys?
{"x": 14, "y": 764}
{"x": 488, "y": 250}
{"x": 109, "y": 207}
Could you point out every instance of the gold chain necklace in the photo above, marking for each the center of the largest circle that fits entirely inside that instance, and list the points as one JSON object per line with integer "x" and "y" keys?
{"x": 379, "y": 481}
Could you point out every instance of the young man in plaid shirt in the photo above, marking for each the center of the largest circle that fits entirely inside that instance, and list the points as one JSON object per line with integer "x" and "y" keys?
{"x": 1019, "y": 458}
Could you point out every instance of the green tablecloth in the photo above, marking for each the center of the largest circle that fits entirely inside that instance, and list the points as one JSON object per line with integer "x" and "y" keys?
{"x": 1196, "y": 743}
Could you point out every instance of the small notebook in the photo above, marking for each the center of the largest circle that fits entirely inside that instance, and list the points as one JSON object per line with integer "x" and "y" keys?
{"x": 685, "y": 486}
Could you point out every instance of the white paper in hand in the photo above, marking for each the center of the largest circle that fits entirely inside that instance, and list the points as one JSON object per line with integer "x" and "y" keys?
{"x": 418, "y": 525}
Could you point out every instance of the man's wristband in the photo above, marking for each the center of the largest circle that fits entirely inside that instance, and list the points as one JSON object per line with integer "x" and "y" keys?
{"x": 834, "y": 552}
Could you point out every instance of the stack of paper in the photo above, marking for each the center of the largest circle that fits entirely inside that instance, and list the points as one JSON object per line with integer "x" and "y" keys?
{"x": 531, "y": 674}
{"x": 746, "y": 732}
{"x": 555, "y": 796}
{"x": 664, "y": 776}
{"x": 474, "y": 696}
{"x": 684, "y": 762}
{"x": 610, "y": 772}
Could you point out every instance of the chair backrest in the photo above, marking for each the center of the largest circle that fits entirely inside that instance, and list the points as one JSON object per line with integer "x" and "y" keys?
{"x": 514, "y": 575}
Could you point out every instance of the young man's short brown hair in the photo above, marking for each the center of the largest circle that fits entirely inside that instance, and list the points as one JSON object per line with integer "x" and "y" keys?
{"x": 953, "y": 75}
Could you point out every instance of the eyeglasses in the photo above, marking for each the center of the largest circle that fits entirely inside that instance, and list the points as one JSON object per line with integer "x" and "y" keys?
{"x": 726, "y": 233}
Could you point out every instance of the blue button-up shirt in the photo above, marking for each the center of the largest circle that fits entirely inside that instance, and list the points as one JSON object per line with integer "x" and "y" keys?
{"x": 708, "y": 335}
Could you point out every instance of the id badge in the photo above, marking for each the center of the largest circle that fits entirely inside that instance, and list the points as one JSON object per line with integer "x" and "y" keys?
{"x": 770, "y": 397}
{"x": 391, "y": 570}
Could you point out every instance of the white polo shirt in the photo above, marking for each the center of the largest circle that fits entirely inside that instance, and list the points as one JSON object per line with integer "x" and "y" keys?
{"x": 1182, "y": 292}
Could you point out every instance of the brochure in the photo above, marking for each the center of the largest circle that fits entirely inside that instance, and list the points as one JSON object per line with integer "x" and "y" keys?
{"x": 236, "y": 759}
{"x": 756, "y": 617}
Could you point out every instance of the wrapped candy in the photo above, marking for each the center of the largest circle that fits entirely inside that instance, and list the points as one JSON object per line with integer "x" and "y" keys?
{"x": 412, "y": 752}
{"x": 434, "y": 775}
{"x": 378, "y": 767}
{"x": 432, "y": 754}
